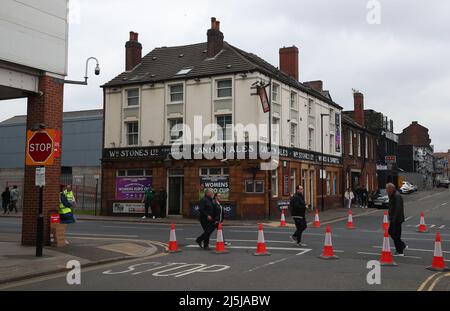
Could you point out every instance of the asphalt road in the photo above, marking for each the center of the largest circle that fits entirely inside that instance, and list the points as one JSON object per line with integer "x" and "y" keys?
{"x": 288, "y": 268}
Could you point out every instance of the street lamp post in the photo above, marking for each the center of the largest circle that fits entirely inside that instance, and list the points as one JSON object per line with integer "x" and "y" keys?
{"x": 321, "y": 154}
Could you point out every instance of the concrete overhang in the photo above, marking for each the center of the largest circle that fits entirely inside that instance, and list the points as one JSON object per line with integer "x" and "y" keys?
{"x": 18, "y": 81}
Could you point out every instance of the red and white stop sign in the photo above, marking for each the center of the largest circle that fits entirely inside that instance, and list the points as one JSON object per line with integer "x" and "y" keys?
{"x": 39, "y": 148}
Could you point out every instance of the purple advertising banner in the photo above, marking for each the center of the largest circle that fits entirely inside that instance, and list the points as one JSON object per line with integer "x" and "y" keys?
{"x": 131, "y": 188}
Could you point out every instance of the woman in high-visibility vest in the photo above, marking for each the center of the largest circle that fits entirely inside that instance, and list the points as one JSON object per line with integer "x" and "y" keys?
{"x": 65, "y": 211}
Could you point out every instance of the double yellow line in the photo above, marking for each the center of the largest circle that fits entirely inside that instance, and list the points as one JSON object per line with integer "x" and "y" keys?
{"x": 430, "y": 283}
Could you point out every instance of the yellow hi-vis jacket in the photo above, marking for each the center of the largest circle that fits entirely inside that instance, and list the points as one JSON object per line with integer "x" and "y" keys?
{"x": 62, "y": 208}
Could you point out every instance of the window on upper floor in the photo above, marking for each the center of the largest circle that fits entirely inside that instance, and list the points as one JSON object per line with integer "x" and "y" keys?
{"x": 294, "y": 101}
{"x": 310, "y": 107}
{"x": 332, "y": 142}
{"x": 359, "y": 144}
{"x": 275, "y": 93}
{"x": 175, "y": 129}
{"x": 224, "y": 123}
{"x": 293, "y": 134}
{"x": 133, "y": 97}
{"x": 350, "y": 142}
{"x": 276, "y": 130}
{"x": 310, "y": 139}
{"x": 176, "y": 93}
{"x": 224, "y": 88}
{"x": 367, "y": 148}
{"x": 132, "y": 133}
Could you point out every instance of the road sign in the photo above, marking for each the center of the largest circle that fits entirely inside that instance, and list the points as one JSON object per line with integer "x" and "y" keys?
{"x": 40, "y": 176}
{"x": 40, "y": 148}
{"x": 390, "y": 159}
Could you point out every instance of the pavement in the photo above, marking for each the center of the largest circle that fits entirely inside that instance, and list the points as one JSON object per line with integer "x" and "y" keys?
{"x": 288, "y": 268}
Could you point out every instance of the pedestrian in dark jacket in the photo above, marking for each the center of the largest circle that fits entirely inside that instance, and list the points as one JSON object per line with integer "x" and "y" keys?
{"x": 219, "y": 213}
{"x": 6, "y": 199}
{"x": 162, "y": 200}
{"x": 207, "y": 218}
{"x": 297, "y": 207}
{"x": 396, "y": 218}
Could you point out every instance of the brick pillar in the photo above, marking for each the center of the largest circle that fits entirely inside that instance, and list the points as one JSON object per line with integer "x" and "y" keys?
{"x": 46, "y": 109}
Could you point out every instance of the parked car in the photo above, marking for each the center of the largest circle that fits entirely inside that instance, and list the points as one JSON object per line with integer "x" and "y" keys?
{"x": 443, "y": 182}
{"x": 381, "y": 201}
{"x": 407, "y": 188}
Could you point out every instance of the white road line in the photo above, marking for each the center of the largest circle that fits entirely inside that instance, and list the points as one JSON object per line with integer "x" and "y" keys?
{"x": 377, "y": 254}
{"x": 408, "y": 218}
{"x": 117, "y": 227}
{"x": 254, "y": 247}
{"x": 254, "y": 241}
{"x": 105, "y": 235}
{"x": 442, "y": 227}
{"x": 268, "y": 264}
{"x": 432, "y": 226}
{"x": 416, "y": 249}
{"x": 276, "y": 232}
{"x": 444, "y": 204}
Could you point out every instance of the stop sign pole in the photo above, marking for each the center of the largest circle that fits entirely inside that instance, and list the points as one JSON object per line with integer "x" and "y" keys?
{"x": 40, "y": 152}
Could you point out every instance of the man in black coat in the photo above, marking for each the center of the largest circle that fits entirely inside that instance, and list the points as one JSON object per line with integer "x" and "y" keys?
{"x": 297, "y": 207}
{"x": 396, "y": 218}
{"x": 207, "y": 219}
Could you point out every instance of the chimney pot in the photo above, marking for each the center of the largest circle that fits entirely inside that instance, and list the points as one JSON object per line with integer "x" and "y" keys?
{"x": 359, "y": 108}
{"x": 215, "y": 38}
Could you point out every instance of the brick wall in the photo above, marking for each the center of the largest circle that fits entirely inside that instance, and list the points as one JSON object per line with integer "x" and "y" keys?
{"x": 46, "y": 109}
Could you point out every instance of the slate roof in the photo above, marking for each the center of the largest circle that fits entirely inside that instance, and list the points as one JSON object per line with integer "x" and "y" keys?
{"x": 163, "y": 64}
{"x": 346, "y": 118}
{"x": 70, "y": 115}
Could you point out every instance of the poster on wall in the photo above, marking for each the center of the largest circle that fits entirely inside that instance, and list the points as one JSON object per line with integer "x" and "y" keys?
{"x": 338, "y": 132}
{"x": 132, "y": 188}
{"x": 128, "y": 208}
{"x": 229, "y": 210}
{"x": 220, "y": 184}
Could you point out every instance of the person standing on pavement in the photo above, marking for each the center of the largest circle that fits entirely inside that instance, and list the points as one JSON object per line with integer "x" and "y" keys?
{"x": 162, "y": 201}
{"x": 364, "y": 197}
{"x": 207, "y": 218}
{"x": 219, "y": 213}
{"x": 65, "y": 211}
{"x": 396, "y": 218}
{"x": 349, "y": 196}
{"x": 14, "y": 199}
{"x": 147, "y": 199}
{"x": 6, "y": 199}
{"x": 297, "y": 208}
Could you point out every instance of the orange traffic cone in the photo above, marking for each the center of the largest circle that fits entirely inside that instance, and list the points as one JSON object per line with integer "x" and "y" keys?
{"x": 283, "y": 219}
{"x": 350, "y": 220}
{"x": 316, "y": 220}
{"x": 328, "y": 248}
{"x": 422, "y": 226}
{"x": 385, "y": 221}
{"x": 438, "y": 260}
{"x": 261, "y": 247}
{"x": 220, "y": 244}
{"x": 386, "y": 253}
{"x": 173, "y": 245}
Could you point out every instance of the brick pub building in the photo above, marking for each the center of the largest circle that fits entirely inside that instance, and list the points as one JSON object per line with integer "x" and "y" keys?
{"x": 359, "y": 149}
{"x": 153, "y": 103}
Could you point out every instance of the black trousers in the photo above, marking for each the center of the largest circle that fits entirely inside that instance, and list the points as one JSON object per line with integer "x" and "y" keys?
{"x": 5, "y": 206}
{"x": 208, "y": 229}
{"x": 147, "y": 207}
{"x": 395, "y": 231}
{"x": 301, "y": 225}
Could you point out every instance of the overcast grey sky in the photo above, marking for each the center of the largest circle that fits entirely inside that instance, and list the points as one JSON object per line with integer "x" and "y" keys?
{"x": 401, "y": 65}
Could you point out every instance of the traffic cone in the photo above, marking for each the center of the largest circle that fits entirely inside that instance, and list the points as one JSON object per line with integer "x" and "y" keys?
{"x": 316, "y": 220}
{"x": 283, "y": 219}
{"x": 328, "y": 248}
{"x": 385, "y": 221}
{"x": 422, "y": 226}
{"x": 350, "y": 220}
{"x": 261, "y": 247}
{"x": 386, "y": 253}
{"x": 220, "y": 244}
{"x": 438, "y": 259}
{"x": 173, "y": 245}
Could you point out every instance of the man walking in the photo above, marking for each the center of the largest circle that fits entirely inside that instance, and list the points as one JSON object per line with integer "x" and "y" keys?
{"x": 396, "y": 218}
{"x": 297, "y": 207}
{"x": 207, "y": 218}
{"x": 14, "y": 199}
{"x": 70, "y": 196}
{"x": 349, "y": 196}
{"x": 6, "y": 199}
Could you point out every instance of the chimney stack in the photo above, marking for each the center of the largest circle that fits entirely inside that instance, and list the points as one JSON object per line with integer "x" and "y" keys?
{"x": 359, "y": 108}
{"x": 315, "y": 85}
{"x": 133, "y": 51}
{"x": 289, "y": 61}
{"x": 215, "y": 38}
